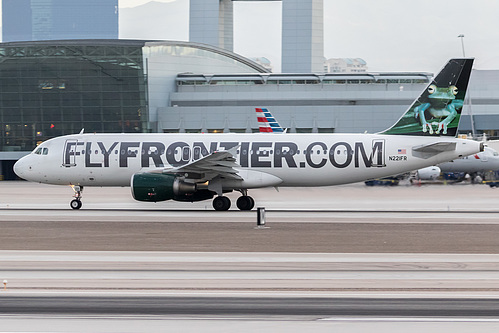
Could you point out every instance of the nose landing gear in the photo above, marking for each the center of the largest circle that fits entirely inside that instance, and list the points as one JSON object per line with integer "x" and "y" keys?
{"x": 76, "y": 202}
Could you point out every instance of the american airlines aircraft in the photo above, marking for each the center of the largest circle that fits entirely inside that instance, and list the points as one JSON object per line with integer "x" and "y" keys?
{"x": 195, "y": 167}
{"x": 487, "y": 160}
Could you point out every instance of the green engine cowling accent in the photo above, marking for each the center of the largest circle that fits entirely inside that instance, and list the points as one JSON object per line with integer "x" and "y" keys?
{"x": 160, "y": 187}
{"x": 152, "y": 187}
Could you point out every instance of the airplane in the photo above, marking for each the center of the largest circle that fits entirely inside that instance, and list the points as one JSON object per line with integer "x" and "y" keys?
{"x": 487, "y": 160}
{"x": 194, "y": 167}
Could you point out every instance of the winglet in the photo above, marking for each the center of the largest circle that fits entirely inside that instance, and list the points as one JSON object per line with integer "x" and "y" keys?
{"x": 437, "y": 111}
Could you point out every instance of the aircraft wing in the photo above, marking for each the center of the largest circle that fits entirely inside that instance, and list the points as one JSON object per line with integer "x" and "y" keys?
{"x": 219, "y": 163}
{"x": 431, "y": 149}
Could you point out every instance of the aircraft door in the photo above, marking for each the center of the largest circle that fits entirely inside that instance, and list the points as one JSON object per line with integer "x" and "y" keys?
{"x": 70, "y": 152}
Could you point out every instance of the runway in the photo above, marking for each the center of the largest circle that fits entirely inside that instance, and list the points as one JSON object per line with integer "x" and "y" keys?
{"x": 259, "y": 273}
{"x": 321, "y": 308}
{"x": 69, "y": 291}
{"x": 346, "y": 258}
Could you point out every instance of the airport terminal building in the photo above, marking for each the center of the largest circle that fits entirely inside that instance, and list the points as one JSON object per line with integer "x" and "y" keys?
{"x": 51, "y": 88}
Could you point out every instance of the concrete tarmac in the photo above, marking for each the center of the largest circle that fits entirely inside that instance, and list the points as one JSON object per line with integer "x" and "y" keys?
{"x": 353, "y": 218}
{"x": 405, "y": 236}
{"x": 353, "y": 197}
{"x": 259, "y": 274}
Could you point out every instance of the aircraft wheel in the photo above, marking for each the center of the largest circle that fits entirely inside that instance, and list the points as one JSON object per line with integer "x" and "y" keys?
{"x": 221, "y": 203}
{"x": 75, "y": 204}
{"x": 245, "y": 202}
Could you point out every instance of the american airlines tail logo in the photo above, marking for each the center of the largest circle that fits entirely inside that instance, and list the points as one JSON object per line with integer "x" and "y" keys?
{"x": 262, "y": 154}
{"x": 266, "y": 122}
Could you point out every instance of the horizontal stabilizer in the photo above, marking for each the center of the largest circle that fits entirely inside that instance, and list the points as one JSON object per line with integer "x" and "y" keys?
{"x": 431, "y": 149}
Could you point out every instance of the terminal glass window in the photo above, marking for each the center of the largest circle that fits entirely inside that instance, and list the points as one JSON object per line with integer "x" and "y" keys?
{"x": 47, "y": 91}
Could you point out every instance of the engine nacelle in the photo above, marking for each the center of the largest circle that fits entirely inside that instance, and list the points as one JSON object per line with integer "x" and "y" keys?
{"x": 428, "y": 173}
{"x": 160, "y": 187}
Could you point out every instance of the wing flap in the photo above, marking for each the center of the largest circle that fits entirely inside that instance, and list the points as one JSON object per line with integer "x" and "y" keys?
{"x": 217, "y": 164}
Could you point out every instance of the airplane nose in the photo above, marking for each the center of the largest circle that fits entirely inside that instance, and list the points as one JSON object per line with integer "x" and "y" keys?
{"x": 20, "y": 167}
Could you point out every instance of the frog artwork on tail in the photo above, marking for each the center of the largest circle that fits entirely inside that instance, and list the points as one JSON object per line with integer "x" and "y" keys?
{"x": 440, "y": 110}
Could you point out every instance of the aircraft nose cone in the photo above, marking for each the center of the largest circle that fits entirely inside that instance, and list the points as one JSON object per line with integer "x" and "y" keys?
{"x": 20, "y": 168}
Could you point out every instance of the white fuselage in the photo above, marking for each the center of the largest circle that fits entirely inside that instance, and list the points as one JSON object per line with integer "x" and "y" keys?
{"x": 263, "y": 159}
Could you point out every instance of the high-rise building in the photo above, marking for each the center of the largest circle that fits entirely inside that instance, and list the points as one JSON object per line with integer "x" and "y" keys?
{"x": 302, "y": 36}
{"x": 27, "y": 20}
{"x": 211, "y": 22}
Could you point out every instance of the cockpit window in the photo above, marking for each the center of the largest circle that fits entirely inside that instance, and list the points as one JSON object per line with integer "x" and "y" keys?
{"x": 41, "y": 151}
{"x": 496, "y": 153}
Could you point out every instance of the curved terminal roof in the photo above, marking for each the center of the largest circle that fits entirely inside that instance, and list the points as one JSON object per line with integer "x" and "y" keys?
{"x": 128, "y": 43}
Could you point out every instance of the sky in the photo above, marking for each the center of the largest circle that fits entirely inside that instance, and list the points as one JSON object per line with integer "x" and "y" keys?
{"x": 390, "y": 35}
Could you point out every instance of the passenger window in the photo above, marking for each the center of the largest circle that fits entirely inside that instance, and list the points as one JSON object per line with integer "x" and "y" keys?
{"x": 45, "y": 151}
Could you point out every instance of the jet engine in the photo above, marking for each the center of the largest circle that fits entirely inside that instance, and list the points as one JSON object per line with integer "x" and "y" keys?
{"x": 161, "y": 187}
{"x": 428, "y": 173}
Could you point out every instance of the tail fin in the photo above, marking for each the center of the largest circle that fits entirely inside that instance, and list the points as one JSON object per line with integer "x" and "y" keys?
{"x": 267, "y": 122}
{"x": 438, "y": 109}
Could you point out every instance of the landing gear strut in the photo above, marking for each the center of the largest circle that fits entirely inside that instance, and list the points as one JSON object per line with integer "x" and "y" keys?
{"x": 76, "y": 202}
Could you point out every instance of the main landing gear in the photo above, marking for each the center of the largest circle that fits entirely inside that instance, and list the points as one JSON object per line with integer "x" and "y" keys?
{"x": 221, "y": 203}
{"x": 76, "y": 202}
{"x": 244, "y": 202}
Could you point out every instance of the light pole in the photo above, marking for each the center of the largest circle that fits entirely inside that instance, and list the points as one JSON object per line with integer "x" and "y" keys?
{"x": 462, "y": 43}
